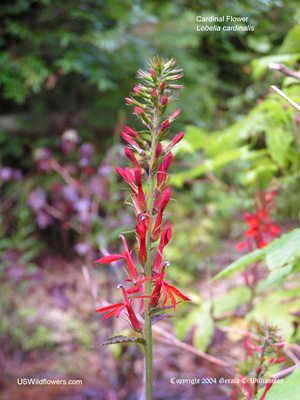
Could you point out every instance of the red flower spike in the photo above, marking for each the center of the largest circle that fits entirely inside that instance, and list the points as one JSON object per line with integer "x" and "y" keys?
{"x": 164, "y": 201}
{"x": 261, "y": 228}
{"x": 176, "y": 140}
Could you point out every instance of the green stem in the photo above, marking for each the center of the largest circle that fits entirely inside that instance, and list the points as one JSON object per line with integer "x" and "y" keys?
{"x": 148, "y": 328}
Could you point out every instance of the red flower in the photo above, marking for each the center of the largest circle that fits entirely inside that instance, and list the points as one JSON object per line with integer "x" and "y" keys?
{"x": 158, "y": 153}
{"x": 116, "y": 257}
{"x": 131, "y": 265}
{"x": 128, "y": 177}
{"x": 141, "y": 195}
{"x": 164, "y": 240}
{"x": 261, "y": 227}
{"x": 167, "y": 289}
{"x": 164, "y": 126}
{"x": 118, "y": 307}
{"x": 164, "y": 100}
{"x": 162, "y": 176}
{"x": 268, "y": 387}
{"x": 174, "y": 115}
{"x": 176, "y": 139}
{"x": 127, "y": 137}
{"x": 162, "y": 170}
{"x": 171, "y": 291}
{"x": 139, "y": 111}
{"x": 110, "y": 259}
{"x": 141, "y": 229}
{"x": 163, "y": 204}
{"x": 129, "y": 154}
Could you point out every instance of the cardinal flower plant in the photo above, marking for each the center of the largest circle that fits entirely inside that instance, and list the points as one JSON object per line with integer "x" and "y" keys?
{"x": 261, "y": 230}
{"x": 150, "y": 155}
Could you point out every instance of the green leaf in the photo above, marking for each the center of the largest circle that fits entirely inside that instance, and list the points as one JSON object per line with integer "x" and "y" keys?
{"x": 281, "y": 251}
{"x": 260, "y": 66}
{"x": 291, "y": 43}
{"x": 275, "y": 310}
{"x": 289, "y": 389}
{"x": 277, "y": 275}
{"x": 195, "y": 136}
{"x": 201, "y": 321}
{"x": 209, "y": 165}
{"x": 119, "y": 339}
{"x": 231, "y": 300}
{"x": 278, "y": 142}
{"x": 241, "y": 262}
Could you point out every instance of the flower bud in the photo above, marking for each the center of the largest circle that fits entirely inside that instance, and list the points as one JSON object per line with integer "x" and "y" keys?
{"x": 139, "y": 111}
{"x": 174, "y": 115}
{"x": 137, "y": 90}
{"x": 176, "y": 139}
{"x": 164, "y": 100}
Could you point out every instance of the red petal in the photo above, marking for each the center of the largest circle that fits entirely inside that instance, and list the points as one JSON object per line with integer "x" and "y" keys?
{"x": 108, "y": 308}
{"x": 275, "y": 230}
{"x": 110, "y": 259}
{"x": 177, "y": 292}
{"x": 241, "y": 246}
{"x": 262, "y": 244}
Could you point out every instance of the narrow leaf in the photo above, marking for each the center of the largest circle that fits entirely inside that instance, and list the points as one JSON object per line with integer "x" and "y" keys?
{"x": 119, "y": 339}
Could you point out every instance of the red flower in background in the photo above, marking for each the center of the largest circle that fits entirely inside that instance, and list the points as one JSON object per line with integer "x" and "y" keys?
{"x": 261, "y": 228}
